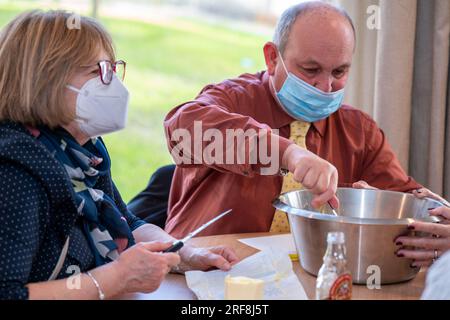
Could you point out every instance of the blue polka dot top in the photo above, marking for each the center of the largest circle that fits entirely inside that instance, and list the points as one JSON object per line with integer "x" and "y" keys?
{"x": 38, "y": 212}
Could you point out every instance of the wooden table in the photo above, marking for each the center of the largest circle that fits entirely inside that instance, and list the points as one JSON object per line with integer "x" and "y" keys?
{"x": 174, "y": 286}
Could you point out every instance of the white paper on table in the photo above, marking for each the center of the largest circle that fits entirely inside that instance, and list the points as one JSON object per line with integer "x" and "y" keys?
{"x": 283, "y": 242}
{"x": 275, "y": 268}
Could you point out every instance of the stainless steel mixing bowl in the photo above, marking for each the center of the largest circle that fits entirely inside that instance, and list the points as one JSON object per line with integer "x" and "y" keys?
{"x": 370, "y": 220}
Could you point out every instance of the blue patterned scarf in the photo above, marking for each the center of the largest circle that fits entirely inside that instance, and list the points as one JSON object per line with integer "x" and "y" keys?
{"x": 105, "y": 227}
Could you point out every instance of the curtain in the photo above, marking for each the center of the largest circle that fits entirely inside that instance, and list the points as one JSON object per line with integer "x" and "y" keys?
{"x": 400, "y": 76}
{"x": 430, "y": 139}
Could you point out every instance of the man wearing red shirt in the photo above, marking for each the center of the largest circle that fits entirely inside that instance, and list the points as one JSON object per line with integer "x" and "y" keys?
{"x": 308, "y": 64}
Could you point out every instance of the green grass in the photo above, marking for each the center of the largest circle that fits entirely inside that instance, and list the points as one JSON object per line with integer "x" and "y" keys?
{"x": 166, "y": 66}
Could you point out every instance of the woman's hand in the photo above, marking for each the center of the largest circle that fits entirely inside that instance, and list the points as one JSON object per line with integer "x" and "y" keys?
{"x": 193, "y": 258}
{"x": 143, "y": 267}
{"x": 425, "y": 249}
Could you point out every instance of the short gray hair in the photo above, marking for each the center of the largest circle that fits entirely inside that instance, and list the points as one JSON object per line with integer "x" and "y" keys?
{"x": 291, "y": 14}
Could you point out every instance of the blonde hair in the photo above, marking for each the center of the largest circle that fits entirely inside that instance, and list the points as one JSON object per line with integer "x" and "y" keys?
{"x": 38, "y": 54}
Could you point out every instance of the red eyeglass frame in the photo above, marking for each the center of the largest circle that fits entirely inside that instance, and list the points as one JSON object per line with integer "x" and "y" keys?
{"x": 113, "y": 67}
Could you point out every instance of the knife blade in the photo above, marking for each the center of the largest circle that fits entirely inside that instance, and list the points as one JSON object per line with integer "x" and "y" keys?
{"x": 177, "y": 245}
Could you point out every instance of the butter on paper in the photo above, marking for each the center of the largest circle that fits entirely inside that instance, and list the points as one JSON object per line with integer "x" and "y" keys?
{"x": 274, "y": 268}
{"x": 243, "y": 288}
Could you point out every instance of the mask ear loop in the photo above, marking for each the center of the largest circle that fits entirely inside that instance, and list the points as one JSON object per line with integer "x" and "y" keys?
{"x": 273, "y": 85}
{"x": 271, "y": 78}
{"x": 282, "y": 62}
{"x": 73, "y": 88}
{"x": 276, "y": 93}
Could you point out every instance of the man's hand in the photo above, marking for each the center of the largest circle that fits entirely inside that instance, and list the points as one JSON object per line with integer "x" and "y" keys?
{"x": 314, "y": 173}
{"x": 361, "y": 184}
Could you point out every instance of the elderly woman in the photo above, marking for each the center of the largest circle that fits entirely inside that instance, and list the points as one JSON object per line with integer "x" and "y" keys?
{"x": 60, "y": 212}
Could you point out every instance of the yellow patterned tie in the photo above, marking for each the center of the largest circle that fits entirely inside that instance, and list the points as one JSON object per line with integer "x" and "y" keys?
{"x": 280, "y": 222}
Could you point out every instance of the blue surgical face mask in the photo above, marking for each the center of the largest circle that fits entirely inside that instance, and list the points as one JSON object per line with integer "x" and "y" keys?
{"x": 303, "y": 101}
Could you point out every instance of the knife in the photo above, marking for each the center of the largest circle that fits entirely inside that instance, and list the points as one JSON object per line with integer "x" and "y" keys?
{"x": 177, "y": 245}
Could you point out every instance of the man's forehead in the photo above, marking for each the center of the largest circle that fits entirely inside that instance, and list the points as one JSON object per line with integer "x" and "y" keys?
{"x": 312, "y": 51}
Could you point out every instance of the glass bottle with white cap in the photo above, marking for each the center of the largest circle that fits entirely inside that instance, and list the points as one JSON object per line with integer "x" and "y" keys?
{"x": 334, "y": 281}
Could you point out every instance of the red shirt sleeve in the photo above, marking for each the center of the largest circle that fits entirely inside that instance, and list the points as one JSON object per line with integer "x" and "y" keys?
{"x": 210, "y": 121}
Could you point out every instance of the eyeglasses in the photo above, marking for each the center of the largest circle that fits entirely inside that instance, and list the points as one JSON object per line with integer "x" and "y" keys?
{"x": 108, "y": 68}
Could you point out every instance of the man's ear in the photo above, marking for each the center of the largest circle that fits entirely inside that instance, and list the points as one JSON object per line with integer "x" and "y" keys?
{"x": 271, "y": 57}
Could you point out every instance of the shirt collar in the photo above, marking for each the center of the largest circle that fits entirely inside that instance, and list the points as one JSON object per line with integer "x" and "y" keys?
{"x": 281, "y": 118}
